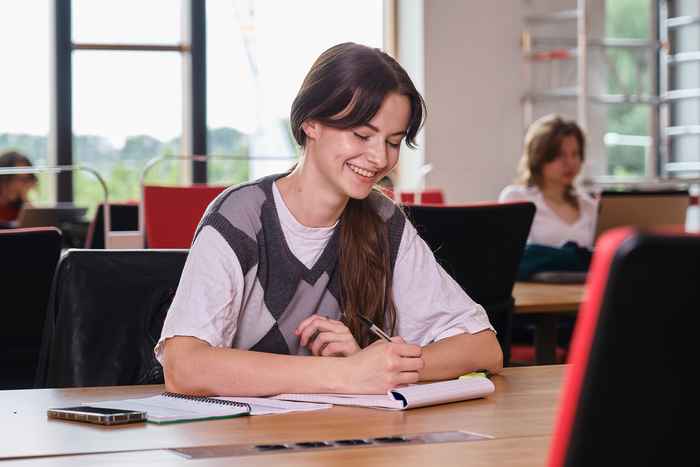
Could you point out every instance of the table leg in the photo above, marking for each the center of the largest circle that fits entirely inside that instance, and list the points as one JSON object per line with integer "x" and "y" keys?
{"x": 546, "y": 339}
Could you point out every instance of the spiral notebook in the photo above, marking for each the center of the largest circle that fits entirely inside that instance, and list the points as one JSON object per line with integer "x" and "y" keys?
{"x": 170, "y": 407}
{"x": 407, "y": 397}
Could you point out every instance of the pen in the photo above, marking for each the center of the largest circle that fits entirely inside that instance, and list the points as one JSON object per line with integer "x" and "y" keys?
{"x": 375, "y": 329}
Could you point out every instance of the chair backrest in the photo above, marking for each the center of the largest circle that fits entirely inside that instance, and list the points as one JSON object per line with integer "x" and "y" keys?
{"x": 28, "y": 258}
{"x": 171, "y": 213}
{"x": 642, "y": 209}
{"x": 105, "y": 316}
{"x": 627, "y": 397}
{"x": 124, "y": 217}
{"x": 427, "y": 196}
{"x": 480, "y": 246}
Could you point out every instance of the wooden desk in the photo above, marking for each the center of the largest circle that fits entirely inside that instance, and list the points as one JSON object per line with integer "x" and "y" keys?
{"x": 519, "y": 416}
{"x": 545, "y": 303}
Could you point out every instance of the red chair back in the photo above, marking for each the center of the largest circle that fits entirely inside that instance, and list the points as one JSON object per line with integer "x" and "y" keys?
{"x": 625, "y": 400}
{"x": 171, "y": 214}
{"x": 427, "y": 196}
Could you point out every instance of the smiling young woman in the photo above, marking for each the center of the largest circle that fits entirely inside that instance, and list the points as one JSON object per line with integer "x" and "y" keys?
{"x": 282, "y": 268}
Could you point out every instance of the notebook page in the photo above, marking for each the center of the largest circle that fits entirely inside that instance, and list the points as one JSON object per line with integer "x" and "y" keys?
{"x": 415, "y": 395}
{"x": 162, "y": 409}
{"x": 266, "y": 406}
{"x": 442, "y": 392}
{"x": 359, "y": 400}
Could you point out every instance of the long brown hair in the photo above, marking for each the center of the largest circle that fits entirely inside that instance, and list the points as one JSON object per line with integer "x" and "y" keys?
{"x": 542, "y": 143}
{"x": 344, "y": 89}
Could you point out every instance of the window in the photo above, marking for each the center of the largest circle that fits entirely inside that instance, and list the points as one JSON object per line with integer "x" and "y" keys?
{"x": 627, "y": 138}
{"x": 258, "y": 52}
{"x": 642, "y": 68}
{"x": 24, "y": 94}
{"x": 127, "y": 102}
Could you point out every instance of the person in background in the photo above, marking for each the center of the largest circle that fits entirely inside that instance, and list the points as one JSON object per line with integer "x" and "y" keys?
{"x": 283, "y": 270}
{"x": 552, "y": 159}
{"x": 14, "y": 188}
{"x": 562, "y": 232}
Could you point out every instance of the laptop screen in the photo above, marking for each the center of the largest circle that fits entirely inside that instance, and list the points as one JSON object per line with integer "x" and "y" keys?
{"x": 42, "y": 216}
{"x": 641, "y": 209}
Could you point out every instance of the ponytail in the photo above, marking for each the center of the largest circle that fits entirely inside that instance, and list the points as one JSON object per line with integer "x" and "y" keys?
{"x": 365, "y": 270}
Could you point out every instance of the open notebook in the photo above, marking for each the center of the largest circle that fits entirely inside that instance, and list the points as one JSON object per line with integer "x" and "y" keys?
{"x": 408, "y": 397}
{"x": 170, "y": 407}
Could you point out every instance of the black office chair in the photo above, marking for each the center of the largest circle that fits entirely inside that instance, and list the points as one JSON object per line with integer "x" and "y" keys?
{"x": 29, "y": 258}
{"x": 480, "y": 246}
{"x": 627, "y": 398}
{"x": 105, "y": 315}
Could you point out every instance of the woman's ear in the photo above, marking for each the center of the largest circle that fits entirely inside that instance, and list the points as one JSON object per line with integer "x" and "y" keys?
{"x": 311, "y": 128}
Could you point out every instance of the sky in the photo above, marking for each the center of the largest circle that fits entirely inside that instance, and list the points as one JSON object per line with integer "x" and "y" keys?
{"x": 117, "y": 94}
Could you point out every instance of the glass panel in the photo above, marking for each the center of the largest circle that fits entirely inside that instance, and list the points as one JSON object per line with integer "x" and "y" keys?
{"x": 628, "y": 72}
{"x": 127, "y": 21}
{"x": 258, "y": 52}
{"x": 24, "y": 93}
{"x": 127, "y": 109}
{"x": 627, "y": 141}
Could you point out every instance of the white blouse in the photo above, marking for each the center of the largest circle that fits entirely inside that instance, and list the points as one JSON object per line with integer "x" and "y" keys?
{"x": 547, "y": 227}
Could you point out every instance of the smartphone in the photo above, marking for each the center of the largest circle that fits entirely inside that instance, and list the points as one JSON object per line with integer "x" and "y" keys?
{"x": 99, "y": 415}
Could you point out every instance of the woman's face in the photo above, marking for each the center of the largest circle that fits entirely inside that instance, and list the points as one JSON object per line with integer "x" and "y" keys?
{"x": 19, "y": 185}
{"x": 566, "y": 166}
{"x": 350, "y": 161}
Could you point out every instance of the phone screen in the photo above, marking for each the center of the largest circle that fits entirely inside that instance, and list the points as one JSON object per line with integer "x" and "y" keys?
{"x": 95, "y": 410}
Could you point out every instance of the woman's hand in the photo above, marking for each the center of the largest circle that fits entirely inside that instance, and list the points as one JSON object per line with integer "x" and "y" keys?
{"x": 326, "y": 337}
{"x": 380, "y": 367}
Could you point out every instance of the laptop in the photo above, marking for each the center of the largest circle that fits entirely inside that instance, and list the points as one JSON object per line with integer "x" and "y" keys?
{"x": 641, "y": 209}
{"x": 45, "y": 216}
{"x": 628, "y": 397}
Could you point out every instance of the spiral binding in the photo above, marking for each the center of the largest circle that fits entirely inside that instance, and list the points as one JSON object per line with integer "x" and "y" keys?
{"x": 208, "y": 400}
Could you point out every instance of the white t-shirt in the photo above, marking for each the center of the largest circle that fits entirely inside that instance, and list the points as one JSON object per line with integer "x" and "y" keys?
{"x": 547, "y": 227}
{"x": 430, "y": 304}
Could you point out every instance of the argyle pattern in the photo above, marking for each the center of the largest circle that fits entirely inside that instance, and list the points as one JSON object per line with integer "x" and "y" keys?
{"x": 279, "y": 290}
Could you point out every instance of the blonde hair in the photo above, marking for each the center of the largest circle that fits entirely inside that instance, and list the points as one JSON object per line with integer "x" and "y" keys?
{"x": 542, "y": 143}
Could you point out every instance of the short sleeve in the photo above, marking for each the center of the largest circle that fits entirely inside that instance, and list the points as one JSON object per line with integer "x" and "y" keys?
{"x": 209, "y": 296}
{"x": 430, "y": 304}
{"x": 511, "y": 193}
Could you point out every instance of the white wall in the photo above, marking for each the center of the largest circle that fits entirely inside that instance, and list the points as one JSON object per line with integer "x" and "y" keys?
{"x": 473, "y": 87}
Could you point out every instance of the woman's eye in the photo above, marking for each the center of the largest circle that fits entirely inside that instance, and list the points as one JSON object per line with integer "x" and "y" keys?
{"x": 362, "y": 137}
{"x": 394, "y": 145}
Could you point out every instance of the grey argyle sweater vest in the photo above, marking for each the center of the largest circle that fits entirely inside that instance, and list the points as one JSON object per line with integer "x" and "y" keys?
{"x": 279, "y": 290}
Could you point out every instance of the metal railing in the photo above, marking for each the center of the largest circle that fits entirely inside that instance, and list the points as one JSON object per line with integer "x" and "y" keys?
{"x": 55, "y": 169}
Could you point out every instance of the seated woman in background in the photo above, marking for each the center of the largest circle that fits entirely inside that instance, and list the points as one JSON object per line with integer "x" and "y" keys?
{"x": 14, "y": 189}
{"x": 561, "y": 236}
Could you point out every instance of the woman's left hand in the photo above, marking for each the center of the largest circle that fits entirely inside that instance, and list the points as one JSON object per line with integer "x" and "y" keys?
{"x": 326, "y": 337}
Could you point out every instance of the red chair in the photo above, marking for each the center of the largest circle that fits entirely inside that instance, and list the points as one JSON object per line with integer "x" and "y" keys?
{"x": 427, "y": 196}
{"x": 29, "y": 258}
{"x": 171, "y": 213}
{"x": 627, "y": 398}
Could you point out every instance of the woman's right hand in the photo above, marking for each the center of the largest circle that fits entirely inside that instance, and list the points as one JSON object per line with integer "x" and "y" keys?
{"x": 380, "y": 367}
